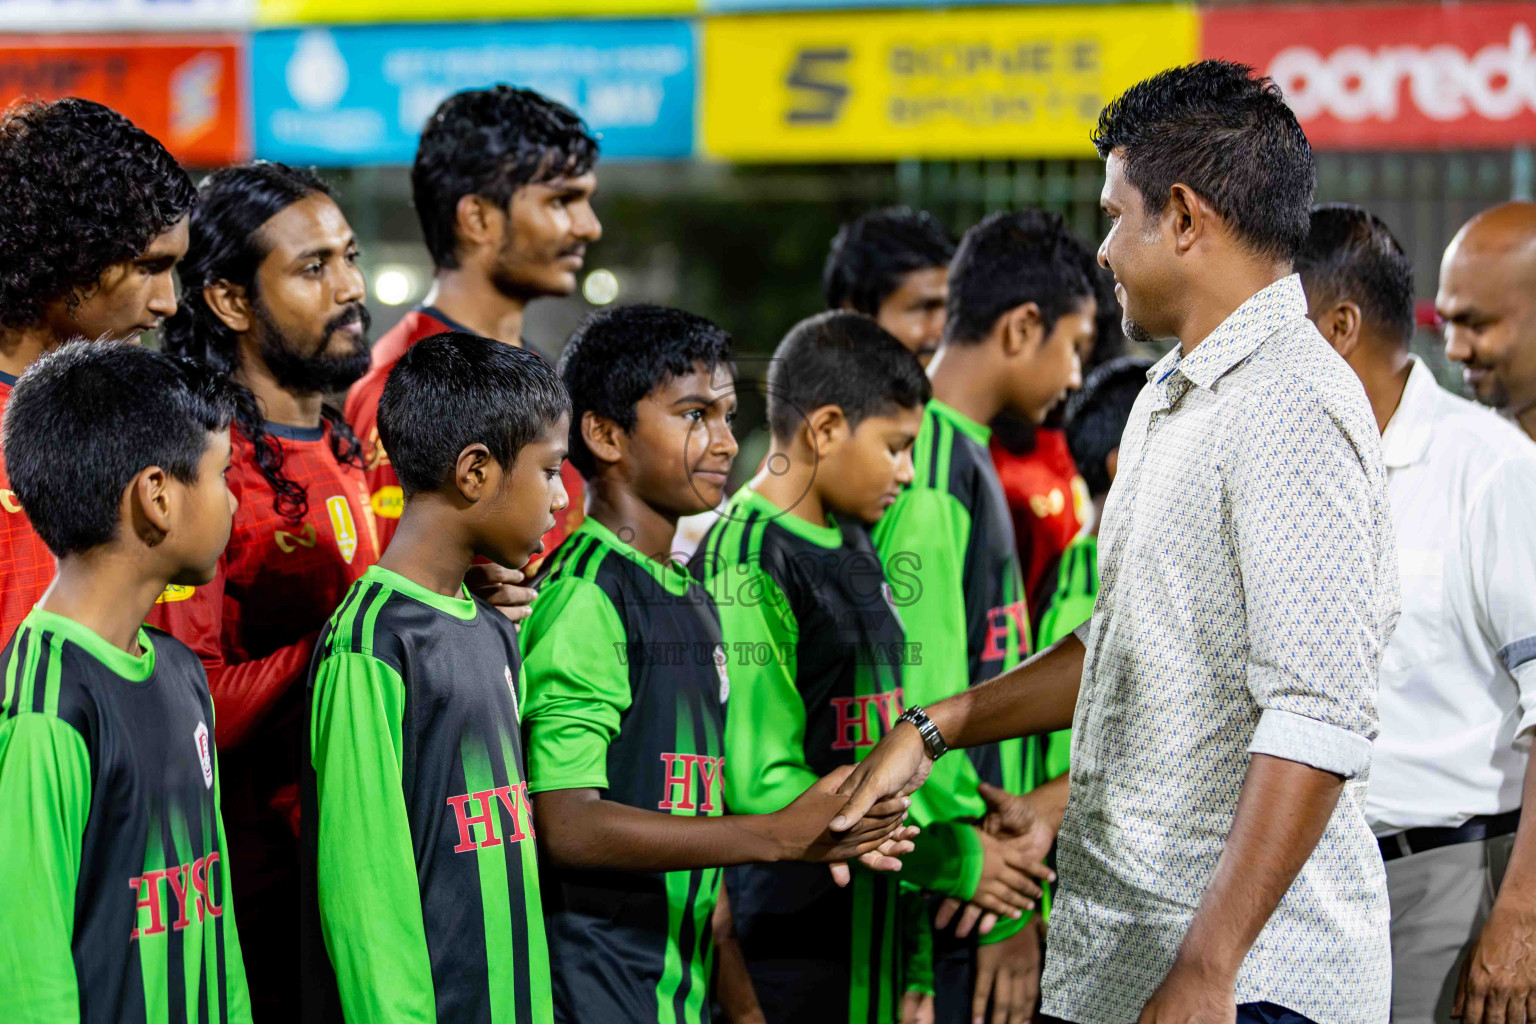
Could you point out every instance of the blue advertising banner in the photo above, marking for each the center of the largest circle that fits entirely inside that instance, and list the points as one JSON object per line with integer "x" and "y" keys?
{"x": 359, "y": 95}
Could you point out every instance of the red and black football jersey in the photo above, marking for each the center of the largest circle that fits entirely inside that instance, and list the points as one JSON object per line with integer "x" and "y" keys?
{"x": 363, "y": 414}
{"x": 26, "y": 564}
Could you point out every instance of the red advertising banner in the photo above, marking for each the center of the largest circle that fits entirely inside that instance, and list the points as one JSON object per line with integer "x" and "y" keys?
{"x": 184, "y": 90}
{"x": 1393, "y": 76}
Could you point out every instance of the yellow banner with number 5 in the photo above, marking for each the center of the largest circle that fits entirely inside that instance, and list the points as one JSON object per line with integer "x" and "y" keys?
{"x": 982, "y": 82}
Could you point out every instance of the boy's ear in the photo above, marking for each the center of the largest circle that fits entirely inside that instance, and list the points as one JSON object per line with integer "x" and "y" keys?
{"x": 604, "y": 438}
{"x": 149, "y": 505}
{"x": 825, "y": 427}
{"x": 475, "y": 473}
{"x": 229, "y": 303}
{"x": 1023, "y": 331}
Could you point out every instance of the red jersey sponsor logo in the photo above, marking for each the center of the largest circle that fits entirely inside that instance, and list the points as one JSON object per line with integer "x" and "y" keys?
{"x": 861, "y": 721}
{"x": 480, "y": 809}
{"x": 679, "y": 773}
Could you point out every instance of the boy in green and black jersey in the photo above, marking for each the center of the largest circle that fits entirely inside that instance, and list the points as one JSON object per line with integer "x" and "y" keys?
{"x": 419, "y": 835}
{"x": 816, "y": 654}
{"x": 1019, "y": 307}
{"x": 118, "y": 908}
{"x": 626, "y": 691}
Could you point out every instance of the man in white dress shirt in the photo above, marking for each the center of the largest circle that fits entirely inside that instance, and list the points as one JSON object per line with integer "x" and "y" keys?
{"x": 1458, "y": 678}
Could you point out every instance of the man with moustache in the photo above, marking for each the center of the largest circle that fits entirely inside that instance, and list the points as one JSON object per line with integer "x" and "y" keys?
{"x": 503, "y": 184}
{"x": 1487, "y": 300}
{"x": 93, "y": 217}
{"x": 273, "y": 299}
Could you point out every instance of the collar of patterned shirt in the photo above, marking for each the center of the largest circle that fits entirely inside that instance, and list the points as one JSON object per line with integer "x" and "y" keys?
{"x": 1248, "y": 588}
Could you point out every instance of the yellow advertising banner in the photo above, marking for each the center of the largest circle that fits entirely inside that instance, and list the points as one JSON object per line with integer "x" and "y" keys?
{"x": 983, "y": 82}
{"x": 333, "y": 12}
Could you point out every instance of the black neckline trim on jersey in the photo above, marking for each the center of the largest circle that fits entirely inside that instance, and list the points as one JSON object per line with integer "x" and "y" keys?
{"x": 290, "y": 433}
{"x": 6, "y": 378}
{"x": 448, "y": 321}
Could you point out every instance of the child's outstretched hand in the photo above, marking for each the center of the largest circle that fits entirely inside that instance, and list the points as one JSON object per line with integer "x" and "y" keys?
{"x": 877, "y": 839}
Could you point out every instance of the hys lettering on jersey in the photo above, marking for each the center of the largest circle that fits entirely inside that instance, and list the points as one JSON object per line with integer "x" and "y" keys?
{"x": 514, "y": 799}
{"x": 861, "y": 721}
{"x": 343, "y": 526}
{"x": 179, "y": 882}
{"x": 998, "y": 621}
{"x": 679, "y": 772}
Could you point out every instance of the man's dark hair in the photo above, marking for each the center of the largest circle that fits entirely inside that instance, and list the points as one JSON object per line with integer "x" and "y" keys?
{"x": 1229, "y": 136}
{"x": 225, "y": 244}
{"x": 1007, "y": 260}
{"x": 842, "y": 359}
{"x": 453, "y": 390}
{"x": 1351, "y": 254}
{"x": 86, "y": 419}
{"x": 621, "y": 354}
{"x": 1097, "y": 414}
{"x": 81, "y": 188}
{"x": 489, "y": 143}
{"x": 871, "y": 255}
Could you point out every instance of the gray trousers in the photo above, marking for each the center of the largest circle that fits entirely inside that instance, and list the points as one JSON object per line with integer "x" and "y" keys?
{"x": 1440, "y": 899}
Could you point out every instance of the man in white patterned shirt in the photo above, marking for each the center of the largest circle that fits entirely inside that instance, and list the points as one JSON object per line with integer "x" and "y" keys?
{"x": 1458, "y": 679}
{"x": 1215, "y": 861}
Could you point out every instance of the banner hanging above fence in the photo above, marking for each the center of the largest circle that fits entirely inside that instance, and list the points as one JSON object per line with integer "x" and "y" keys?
{"x": 359, "y": 95}
{"x": 1393, "y": 76}
{"x": 988, "y": 82}
{"x": 184, "y": 90}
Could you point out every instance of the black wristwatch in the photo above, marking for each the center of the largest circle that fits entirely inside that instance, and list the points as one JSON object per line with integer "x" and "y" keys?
{"x": 932, "y": 741}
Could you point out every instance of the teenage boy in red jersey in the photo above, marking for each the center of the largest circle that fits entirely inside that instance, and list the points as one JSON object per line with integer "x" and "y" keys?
{"x": 274, "y": 300}
{"x": 503, "y": 185}
{"x": 93, "y": 218}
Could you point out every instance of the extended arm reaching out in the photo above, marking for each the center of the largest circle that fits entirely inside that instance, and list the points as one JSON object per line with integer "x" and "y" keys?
{"x": 1035, "y": 697}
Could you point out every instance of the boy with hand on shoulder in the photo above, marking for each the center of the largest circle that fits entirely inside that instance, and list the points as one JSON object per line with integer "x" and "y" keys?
{"x": 816, "y": 653}
{"x": 627, "y": 685}
{"x": 109, "y": 786}
{"x": 1020, "y": 308}
{"x": 419, "y": 832}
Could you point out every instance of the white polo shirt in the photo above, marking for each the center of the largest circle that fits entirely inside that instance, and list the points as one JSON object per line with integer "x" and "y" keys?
{"x": 1458, "y": 678}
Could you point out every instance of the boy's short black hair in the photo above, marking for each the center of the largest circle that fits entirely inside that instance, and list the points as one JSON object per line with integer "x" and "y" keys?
{"x": 1226, "y": 133}
{"x": 81, "y": 188}
{"x": 491, "y": 142}
{"x": 452, "y": 390}
{"x": 870, "y": 256}
{"x": 1350, "y": 254}
{"x": 1097, "y": 414}
{"x": 621, "y": 354}
{"x": 1007, "y": 260}
{"x": 86, "y": 419}
{"x": 842, "y": 359}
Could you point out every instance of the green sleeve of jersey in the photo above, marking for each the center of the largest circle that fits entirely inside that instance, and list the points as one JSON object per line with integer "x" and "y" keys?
{"x": 765, "y": 764}
{"x": 45, "y": 798}
{"x": 575, "y": 655}
{"x": 946, "y": 858}
{"x": 238, "y": 992}
{"x": 916, "y": 941}
{"x": 370, "y": 903}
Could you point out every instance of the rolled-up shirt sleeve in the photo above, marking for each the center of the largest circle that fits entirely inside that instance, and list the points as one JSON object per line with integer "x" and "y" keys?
{"x": 1501, "y": 538}
{"x": 1312, "y": 532}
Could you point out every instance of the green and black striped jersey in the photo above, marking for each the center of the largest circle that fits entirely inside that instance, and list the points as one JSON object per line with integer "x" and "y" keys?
{"x": 625, "y": 689}
{"x": 948, "y": 547}
{"x": 816, "y": 655}
{"x": 420, "y": 862}
{"x": 117, "y": 908}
